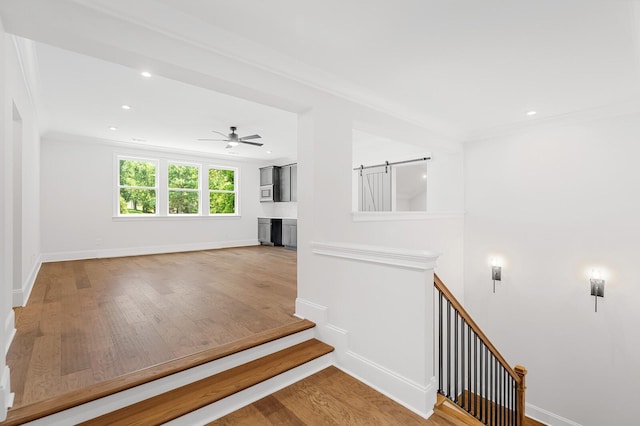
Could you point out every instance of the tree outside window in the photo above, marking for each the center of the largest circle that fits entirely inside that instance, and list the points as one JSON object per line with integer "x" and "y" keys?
{"x": 184, "y": 189}
{"x": 222, "y": 191}
{"x": 138, "y": 186}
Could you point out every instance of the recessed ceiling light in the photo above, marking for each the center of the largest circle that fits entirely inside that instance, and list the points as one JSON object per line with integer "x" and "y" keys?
{"x": 138, "y": 140}
{"x": 268, "y": 152}
{"x": 113, "y": 128}
{"x": 145, "y": 74}
{"x": 530, "y": 113}
{"x": 424, "y": 176}
{"x": 126, "y": 107}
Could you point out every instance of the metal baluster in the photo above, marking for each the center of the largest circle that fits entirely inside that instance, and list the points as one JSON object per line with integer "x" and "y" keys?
{"x": 481, "y": 383}
{"x": 501, "y": 395}
{"x": 468, "y": 368}
{"x": 455, "y": 358}
{"x": 492, "y": 390}
{"x": 440, "y": 387}
{"x": 476, "y": 388}
{"x": 462, "y": 361}
{"x": 448, "y": 349}
{"x": 486, "y": 384}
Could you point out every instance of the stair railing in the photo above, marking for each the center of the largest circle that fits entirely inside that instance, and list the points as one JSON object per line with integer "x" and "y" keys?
{"x": 472, "y": 373}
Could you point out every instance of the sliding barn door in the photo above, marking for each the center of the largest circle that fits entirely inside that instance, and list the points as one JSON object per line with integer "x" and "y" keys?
{"x": 374, "y": 189}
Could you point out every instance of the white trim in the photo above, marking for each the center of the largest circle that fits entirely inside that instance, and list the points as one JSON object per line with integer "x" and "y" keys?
{"x": 21, "y": 297}
{"x": 6, "y": 396}
{"x": 136, "y": 394}
{"x": 141, "y": 251}
{"x": 9, "y": 330}
{"x": 250, "y": 395}
{"x": 403, "y": 216}
{"x": 413, "y": 259}
{"x": 547, "y": 417}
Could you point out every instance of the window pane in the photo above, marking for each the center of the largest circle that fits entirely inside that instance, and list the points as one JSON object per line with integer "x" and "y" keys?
{"x": 137, "y": 173}
{"x": 183, "y": 176}
{"x": 183, "y": 202}
{"x": 137, "y": 201}
{"x": 222, "y": 202}
{"x": 221, "y": 180}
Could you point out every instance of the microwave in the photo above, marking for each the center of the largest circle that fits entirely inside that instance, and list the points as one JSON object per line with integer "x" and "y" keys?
{"x": 267, "y": 194}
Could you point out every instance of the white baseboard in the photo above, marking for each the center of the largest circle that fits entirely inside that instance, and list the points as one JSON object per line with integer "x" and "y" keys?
{"x": 141, "y": 251}
{"x": 414, "y": 396}
{"x": 9, "y": 330}
{"x": 6, "y": 397}
{"x": 20, "y": 297}
{"x": 548, "y": 417}
{"x": 131, "y": 396}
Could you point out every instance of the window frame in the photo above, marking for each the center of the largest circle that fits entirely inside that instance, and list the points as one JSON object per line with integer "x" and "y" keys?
{"x": 236, "y": 190}
{"x": 119, "y": 186}
{"x": 198, "y": 166}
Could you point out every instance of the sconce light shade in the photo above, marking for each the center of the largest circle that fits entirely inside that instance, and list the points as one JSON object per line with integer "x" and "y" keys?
{"x": 597, "y": 286}
{"x": 496, "y": 272}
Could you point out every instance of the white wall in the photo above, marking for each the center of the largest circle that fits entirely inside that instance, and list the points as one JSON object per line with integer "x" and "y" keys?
{"x": 555, "y": 203}
{"x": 19, "y": 186}
{"x": 78, "y": 206}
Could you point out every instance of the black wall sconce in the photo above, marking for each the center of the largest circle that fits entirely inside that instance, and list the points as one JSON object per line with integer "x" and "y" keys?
{"x": 496, "y": 272}
{"x": 597, "y": 286}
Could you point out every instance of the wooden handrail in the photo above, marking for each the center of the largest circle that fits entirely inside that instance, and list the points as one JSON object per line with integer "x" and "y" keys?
{"x": 465, "y": 315}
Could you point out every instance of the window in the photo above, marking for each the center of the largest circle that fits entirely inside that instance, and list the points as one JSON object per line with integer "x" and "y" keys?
{"x": 164, "y": 187}
{"x": 222, "y": 191}
{"x": 138, "y": 186}
{"x": 183, "y": 182}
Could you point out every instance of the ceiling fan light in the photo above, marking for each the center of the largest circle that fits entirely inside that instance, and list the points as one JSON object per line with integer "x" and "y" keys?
{"x": 233, "y": 143}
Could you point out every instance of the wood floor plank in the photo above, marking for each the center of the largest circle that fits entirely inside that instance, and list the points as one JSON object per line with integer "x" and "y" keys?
{"x": 117, "y": 316}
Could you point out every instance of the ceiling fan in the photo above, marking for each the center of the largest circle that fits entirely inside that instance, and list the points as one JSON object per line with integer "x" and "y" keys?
{"x": 233, "y": 139}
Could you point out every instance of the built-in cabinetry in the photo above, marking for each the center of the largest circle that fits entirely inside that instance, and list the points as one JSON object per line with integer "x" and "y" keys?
{"x": 278, "y": 232}
{"x": 269, "y": 187}
{"x": 279, "y": 184}
{"x": 270, "y": 231}
{"x": 290, "y": 233}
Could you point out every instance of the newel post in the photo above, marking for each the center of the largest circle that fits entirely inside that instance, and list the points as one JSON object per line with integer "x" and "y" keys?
{"x": 521, "y": 372}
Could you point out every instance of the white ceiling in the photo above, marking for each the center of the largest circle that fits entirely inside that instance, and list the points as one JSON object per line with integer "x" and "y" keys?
{"x": 449, "y": 64}
{"x": 84, "y": 96}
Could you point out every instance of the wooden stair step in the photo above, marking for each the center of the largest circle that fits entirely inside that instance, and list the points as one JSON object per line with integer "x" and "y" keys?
{"x": 178, "y": 402}
{"x": 27, "y": 413}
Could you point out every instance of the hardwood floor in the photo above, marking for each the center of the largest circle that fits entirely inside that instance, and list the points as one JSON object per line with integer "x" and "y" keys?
{"x": 93, "y": 320}
{"x": 330, "y": 397}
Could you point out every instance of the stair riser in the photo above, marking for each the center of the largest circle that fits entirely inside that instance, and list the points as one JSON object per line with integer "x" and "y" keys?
{"x": 131, "y": 396}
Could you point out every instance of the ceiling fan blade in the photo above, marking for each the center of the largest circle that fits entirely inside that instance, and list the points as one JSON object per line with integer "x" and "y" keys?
{"x": 220, "y": 133}
{"x": 228, "y": 146}
{"x": 244, "y": 138}
{"x": 251, "y": 143}
{"x": 217, "y": 140}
